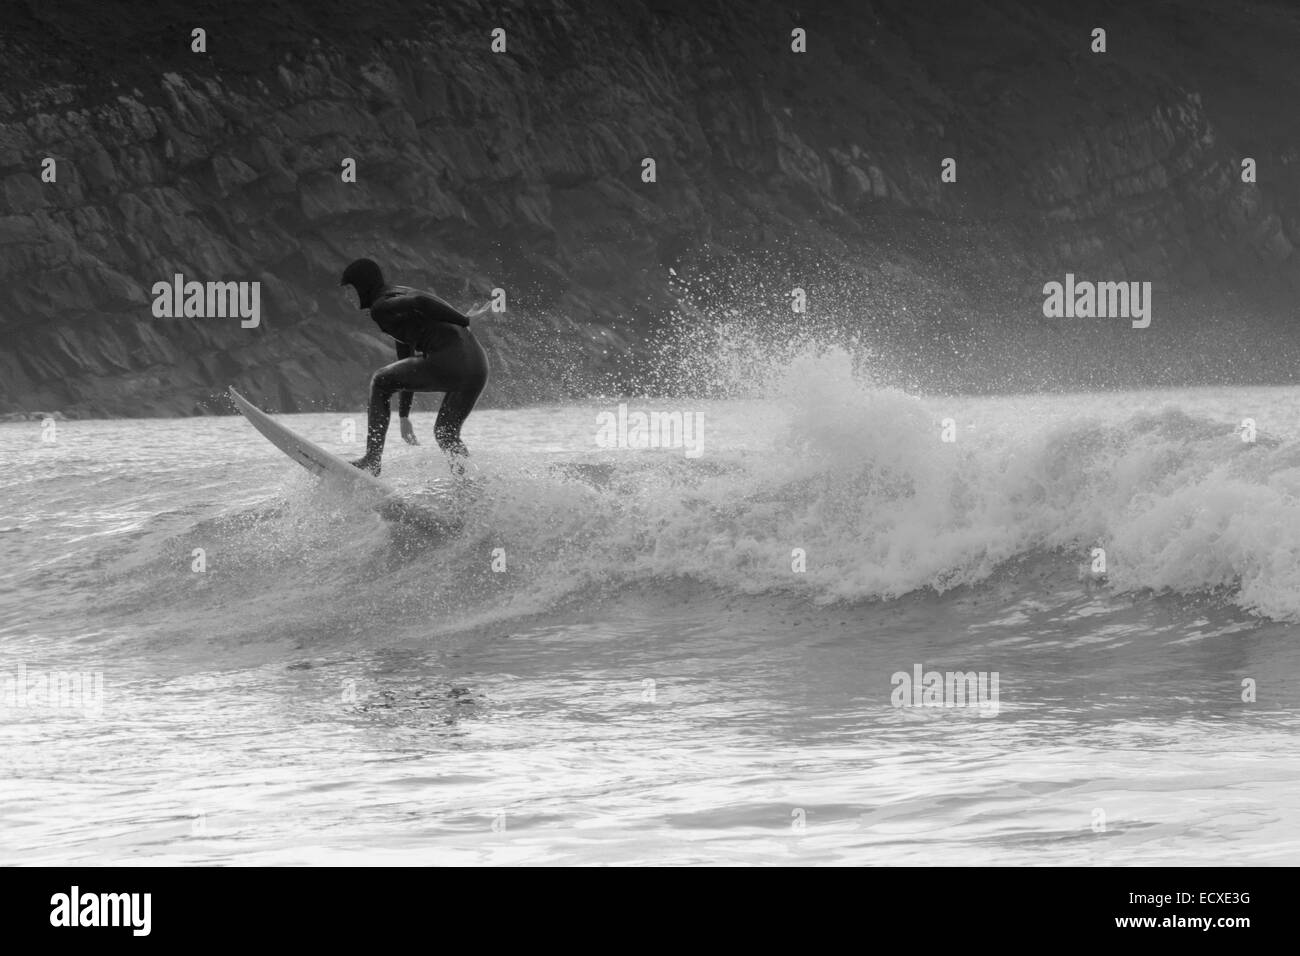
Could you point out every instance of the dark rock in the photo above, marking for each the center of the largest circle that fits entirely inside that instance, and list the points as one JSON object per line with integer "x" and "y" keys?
{"x": 523, "y": 171}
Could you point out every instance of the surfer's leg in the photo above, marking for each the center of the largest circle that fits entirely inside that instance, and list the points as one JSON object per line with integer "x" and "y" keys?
{"x": 405, "y": 375}
{"x": 456, "y": 407}
{"x": 459, "y": 401}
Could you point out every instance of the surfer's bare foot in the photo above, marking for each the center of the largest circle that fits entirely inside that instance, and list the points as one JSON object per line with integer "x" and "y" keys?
{"x": 366, "y": 464}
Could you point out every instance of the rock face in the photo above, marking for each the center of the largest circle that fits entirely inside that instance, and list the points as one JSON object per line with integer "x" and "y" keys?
{"x": 522, "y": 171}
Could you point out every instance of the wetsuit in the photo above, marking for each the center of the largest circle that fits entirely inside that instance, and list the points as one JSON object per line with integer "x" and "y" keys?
{"x": 436, "y": 352}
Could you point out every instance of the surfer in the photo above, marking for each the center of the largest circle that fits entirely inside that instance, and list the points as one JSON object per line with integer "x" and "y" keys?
{"x": 436, "y": 352}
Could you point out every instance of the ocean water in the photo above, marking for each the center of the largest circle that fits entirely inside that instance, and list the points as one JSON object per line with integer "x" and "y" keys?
{"x": 633, "y": 656}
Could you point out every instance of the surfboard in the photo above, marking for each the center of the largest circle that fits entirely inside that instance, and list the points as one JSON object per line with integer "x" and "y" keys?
{"x": 311, "y": 456}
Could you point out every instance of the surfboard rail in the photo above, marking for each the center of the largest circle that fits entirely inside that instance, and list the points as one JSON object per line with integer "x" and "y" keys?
{"x": 324, "y": 464}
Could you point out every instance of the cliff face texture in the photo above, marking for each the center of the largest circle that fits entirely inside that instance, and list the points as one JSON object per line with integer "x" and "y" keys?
{"x": 522, "y": 171}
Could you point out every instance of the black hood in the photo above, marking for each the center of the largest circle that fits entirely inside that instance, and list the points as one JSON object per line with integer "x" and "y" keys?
{"x": 364, "y": 276}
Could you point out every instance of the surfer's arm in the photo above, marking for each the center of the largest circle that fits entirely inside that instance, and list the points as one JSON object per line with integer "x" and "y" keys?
{"x": 442, "y": 310}
{"x": 424, "y": 304}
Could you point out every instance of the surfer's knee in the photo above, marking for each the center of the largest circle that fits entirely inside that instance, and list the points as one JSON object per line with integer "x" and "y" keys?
{"x": 384, "y": 383}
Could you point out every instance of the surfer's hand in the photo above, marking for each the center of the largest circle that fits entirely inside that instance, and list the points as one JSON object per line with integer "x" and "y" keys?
{"x": 408, "y": 432}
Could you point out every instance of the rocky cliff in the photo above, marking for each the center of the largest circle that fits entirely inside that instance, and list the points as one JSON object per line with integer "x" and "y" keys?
{"x": 522, "y": 171}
